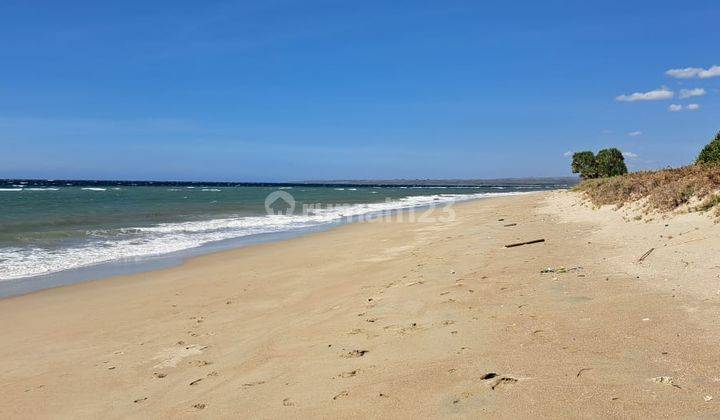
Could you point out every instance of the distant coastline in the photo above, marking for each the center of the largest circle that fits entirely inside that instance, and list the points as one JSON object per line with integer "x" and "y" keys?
{"x": 539, "y": 181}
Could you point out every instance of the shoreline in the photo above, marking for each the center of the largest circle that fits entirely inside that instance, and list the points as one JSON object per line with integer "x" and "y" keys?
{"x": 116, "y": 268}
{"x": 430, "y": 320}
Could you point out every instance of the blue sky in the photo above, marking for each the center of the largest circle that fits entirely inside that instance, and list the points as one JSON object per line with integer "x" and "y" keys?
{"x": 291, "y": 90}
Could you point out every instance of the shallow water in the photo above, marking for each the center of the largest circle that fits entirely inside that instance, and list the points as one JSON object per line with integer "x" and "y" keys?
{"x": 47, "y": 228}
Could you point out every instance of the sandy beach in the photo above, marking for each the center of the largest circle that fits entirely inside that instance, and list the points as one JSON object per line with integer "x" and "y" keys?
{"x": 403, "y": 320}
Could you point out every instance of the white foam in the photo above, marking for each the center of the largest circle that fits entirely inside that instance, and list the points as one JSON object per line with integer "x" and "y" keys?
{"x": 42, "y": 189}
{"x": 10, "y": 189}
{"x": 93, "y": 189}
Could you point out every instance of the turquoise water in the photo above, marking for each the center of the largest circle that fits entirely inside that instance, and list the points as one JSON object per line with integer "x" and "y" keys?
{"x": 47, "y": 228}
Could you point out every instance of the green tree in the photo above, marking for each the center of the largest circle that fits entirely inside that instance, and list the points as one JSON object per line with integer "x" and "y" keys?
{"x": 711, "y": 152}
{"x": 610, "y": 162}
{"x": 584, "y": 163}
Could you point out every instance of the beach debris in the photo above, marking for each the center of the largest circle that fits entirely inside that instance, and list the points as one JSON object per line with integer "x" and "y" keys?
{"x": 195, "y": 382}
{"x": 501, "y": 220}
{"x": 580, "y": 372}
{"x": 560, "y": 270}
{"x": 287, "y": 402}
{"x": 199, "y": 406}
{"x": 708, "y": 398}
{"x": 510, "y": 225}
{"x": 665, "y": 380}
{"x": 160, "y": 375}
{"x": 503, "y": 380}
{"x": 498, "y": 380}
{"x": 646, "y": 254}
{"x": 139, "y": 400}
{"x": 534, "y": 241}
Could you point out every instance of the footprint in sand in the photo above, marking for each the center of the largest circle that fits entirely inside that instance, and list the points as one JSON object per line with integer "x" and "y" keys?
{"x": 356, "y": 353}
{"x": 341, "y": 395}
{"x": 199, "y": 406}
{"x": 171, "y": 356}
{"x": 254, "y": 383}
{"x": 287, "y": 402}
{"x": 349, "y": 374}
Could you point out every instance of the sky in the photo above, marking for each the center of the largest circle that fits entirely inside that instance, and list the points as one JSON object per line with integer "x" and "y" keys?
{"x": 296, "y": 90}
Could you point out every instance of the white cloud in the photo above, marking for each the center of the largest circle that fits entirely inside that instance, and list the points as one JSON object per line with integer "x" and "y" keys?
{"x": 689, "y": 93}
{"x": 568, "y": 153}
{"x": 635, "y": 133}
{"x": 688, "y": 107}
{"x": 653, "y": 95}
{"x": 692, "y": 72}
{"x": 630, "y": 155}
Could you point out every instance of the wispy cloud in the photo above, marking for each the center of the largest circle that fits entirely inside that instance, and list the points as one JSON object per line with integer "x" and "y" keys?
{"x": 635, "y": 133}
{"x": 630, "y": 155}
{"x": 693, "y": 72}
{"x": 653, "y": 95}
{"x": 678, "y": 107}
{"x": 689, "y": 93}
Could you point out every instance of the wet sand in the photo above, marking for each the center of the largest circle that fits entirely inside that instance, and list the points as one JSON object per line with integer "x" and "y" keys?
{"x": 424, "y": 319}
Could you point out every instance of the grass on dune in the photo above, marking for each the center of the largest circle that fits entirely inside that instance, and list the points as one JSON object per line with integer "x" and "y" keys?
{"x": 696, "y": 186}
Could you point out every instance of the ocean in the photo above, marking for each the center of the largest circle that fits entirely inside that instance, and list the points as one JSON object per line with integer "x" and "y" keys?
{"x": 49, "y": 227}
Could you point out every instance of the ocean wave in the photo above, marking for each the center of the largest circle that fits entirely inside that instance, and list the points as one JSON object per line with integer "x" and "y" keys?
{"x": 143, "y": 241}
{"x": 93, "y": 189}
{"x": 10, "y": 189}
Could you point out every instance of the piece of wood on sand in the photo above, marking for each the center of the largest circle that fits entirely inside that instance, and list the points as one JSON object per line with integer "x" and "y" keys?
{"x": 535, "y": 241}
{"x": 645, "y": 255}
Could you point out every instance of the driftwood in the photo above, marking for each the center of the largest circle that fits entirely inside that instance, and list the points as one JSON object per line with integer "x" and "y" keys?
{"x": 645, "y": 255}
{"x": 525, "y": 243}
{"x": 510, "y": 224}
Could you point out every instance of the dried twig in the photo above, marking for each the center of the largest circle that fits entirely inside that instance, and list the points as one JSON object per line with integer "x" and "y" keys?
{"x": 645, "y": 255}
{"x": 525, "y": 243}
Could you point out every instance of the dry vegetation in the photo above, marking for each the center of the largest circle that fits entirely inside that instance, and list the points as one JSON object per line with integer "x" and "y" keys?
{"x": 694, "y": 188}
